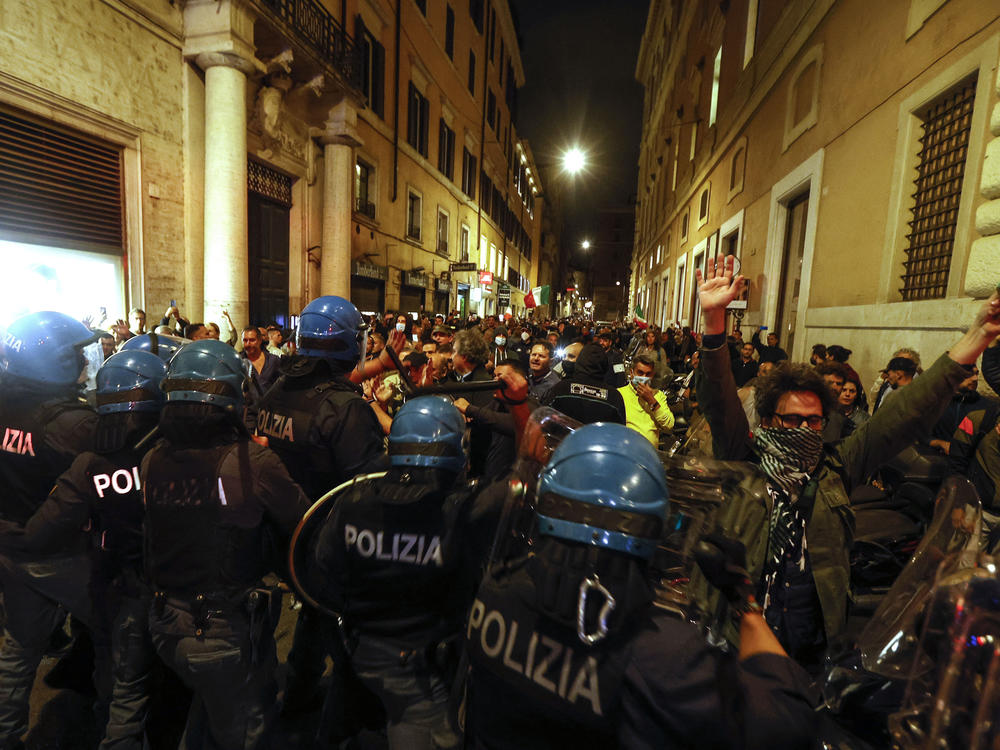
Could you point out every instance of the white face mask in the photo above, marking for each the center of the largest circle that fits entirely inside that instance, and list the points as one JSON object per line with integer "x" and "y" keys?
{"x": 401, "y": 327}
{"x": 525, "y": 336}
{"x": 501, "y": 340}
{"x": 641, "y": 380}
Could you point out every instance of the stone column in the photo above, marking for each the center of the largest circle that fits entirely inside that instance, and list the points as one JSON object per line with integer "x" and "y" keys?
{"x": 227, "y": 284}
{"x": 981, "y": 275}
{"x": 339, "y": 138}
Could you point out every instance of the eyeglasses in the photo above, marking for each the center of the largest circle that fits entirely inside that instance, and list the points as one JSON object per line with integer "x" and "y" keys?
{"x": 791, "y": 421}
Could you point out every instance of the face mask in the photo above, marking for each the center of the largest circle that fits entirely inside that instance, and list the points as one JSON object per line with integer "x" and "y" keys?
{"x": 501, "y": 340}
{"x": 525, "y": 336}
{"x": 788, "y": 455}
{"x": 401, "y": 327}
{"x": 641, "y": 380}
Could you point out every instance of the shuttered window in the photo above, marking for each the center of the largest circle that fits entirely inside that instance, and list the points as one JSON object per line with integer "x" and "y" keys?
{"x": 59, "y": 187}
{"x": 944, "y": 144}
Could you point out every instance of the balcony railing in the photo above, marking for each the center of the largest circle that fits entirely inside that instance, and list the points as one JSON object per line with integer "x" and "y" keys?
{"x": 365, "y": 208}
{"x": 315, "y": 27}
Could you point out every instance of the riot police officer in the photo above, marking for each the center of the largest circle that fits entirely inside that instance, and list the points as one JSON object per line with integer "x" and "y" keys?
{"x": 43, "y": 425}
{"x": 101, "y": 491}
{"x": 163, "y": 345}
{"x": 325, "y": 433}
{"x": 567, "y": 650}
{"x": 396, "y": 563}
{"x": 219, "y": 511}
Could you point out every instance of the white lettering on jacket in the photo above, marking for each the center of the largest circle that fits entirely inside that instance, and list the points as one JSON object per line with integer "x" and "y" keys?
{"x": 275, "y": 425}
{"x": 122, "y": 481}
{"x": 548, "y": 663}
{"x": 17, "y": 441}
{"x": 415, "y": 549}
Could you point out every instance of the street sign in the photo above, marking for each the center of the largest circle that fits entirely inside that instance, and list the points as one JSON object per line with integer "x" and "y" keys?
{"x": 503, "y": 296}
{"x": 486, "y": 278}
{"x": 461, "y": 267}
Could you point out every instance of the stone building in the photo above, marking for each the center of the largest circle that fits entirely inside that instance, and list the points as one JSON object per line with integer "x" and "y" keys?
{"x": 847, "y": 152}
{"x": 248, "y": 155}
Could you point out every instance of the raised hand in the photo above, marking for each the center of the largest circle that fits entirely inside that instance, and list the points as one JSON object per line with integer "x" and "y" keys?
{"x": 716, "y": 289}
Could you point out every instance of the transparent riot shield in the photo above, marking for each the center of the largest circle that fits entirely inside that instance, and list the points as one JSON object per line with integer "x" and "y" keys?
{"x": 698, "y": 488}
{"x": 307, "y": 580}
{"x": 952, "y": 695}
{"x": 888, "y": 641}
{"x": 546, "y": 428}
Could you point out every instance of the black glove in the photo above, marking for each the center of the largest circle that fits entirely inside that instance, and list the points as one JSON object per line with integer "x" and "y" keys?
{"x": 724, "y": 563}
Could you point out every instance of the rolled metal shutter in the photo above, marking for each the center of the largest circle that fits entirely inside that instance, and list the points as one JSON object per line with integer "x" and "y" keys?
{"x": 59, "y": 187}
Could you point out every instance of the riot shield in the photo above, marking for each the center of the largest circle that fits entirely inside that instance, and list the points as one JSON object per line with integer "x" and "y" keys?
{"x": 546, "y": 428}
{"x": 888, "y": 640}
{"x": 952, "y": 695}
{"x": 698, "y": 488}
{"x": 302, "y": 570}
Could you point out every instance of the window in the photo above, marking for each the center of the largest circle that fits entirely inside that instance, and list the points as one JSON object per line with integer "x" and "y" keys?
{"x": 464, "y": 244}
{"x": 449, "y": 31}
{"x": 372, "y": 69}
{"x": 446, "y": 150}
{"x": 442, "y": 232}
{"x": 492, "y": 265}
{"x": 694, "y": 140}
{"x": 491, "y": 109}
{"x": 476, "y": 11}
{"x": 364, "y": 189}
{"x": 417, "y": 115}
{"x": 469, "y": 170}
{"x": 472, "y": 72}
{"x": 485, "y": 192}
{"x": 684, "y": 225}
{"x": 945, "y": 125}
{"x": 413, "y": 210}
{"x": 493, "y": 32}
{"x": 716, "y": 71}
{"x": 703, "y": 206}
{"x": 659, "y": 254}
{"x": 422, "y": 4}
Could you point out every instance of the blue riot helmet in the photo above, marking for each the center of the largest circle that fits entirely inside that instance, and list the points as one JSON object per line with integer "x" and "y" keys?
{"x": 48, "y": 348}
{"x": 604, "y": 485}
{"x": 162, "y": 345}
{"x": 428, "y": 431}
{"x": 129, "y": 381}
{"x": 206, "y": 372}
{"x": 331, "y": 328}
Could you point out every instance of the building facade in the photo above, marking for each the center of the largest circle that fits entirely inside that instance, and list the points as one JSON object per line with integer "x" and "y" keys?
{"x": 249, "y": 155}
{"x": 845, "y": 153}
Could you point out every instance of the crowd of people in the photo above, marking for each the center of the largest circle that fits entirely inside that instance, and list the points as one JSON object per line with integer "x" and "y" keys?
{"x": 468, "y": 510}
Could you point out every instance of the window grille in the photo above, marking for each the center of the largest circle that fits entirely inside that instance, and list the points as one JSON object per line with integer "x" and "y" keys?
{"x": 265, "y": 181}
{"x": 944, "y": 144}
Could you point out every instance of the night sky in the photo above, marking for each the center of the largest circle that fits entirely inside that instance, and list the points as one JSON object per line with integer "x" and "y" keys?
{"x": 579, "y": 61}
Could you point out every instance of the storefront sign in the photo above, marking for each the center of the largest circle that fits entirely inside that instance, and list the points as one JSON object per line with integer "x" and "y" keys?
{"x": 503, "y": 296}
{"x": 368, "y": 271}
{"x": 461, "y": 267}
{"x": 486, "y": 278}
{"x": 411, "y": 278}
{"x": 443, "y": 286}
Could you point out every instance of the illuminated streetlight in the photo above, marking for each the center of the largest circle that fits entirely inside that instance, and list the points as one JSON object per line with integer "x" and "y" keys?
{"x": 585, "y": 244}
{"x": 574, "y": 160}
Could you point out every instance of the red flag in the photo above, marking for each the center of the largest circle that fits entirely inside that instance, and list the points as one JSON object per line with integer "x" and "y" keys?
{"x": 966, "y": 426}
{"x": 529, "y": 299}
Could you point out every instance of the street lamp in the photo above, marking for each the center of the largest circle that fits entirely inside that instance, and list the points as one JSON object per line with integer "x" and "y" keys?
{"x": 585, "y": 244}
{"x": 574, "y": 160}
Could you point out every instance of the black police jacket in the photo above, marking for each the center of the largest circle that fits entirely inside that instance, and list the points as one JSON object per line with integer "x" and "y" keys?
{"x": 39, "y": 439}
{"x": 586, "y": 396}
{"x": 99, "y": 491}
{"x": 394, "y": 555}
{"x": 217, "y": 518}
{"x": 656, "y": 684}
{"x": 323, "y": 431}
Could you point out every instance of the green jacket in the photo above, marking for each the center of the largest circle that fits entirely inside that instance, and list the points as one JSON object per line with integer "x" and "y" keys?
{"x": 907, "y": 416}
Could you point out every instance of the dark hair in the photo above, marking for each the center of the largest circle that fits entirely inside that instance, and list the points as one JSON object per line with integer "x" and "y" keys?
{"x": 470, "y": 344}
{"x": 788, "y": 377}
{"x": 832, "y": 368}
{"x": 516, "y": 363}
{"x": 542, "y": 342}
{"x": 416, "y": 359}
{"x": 820, "y": 350}
{"x": 191, "y": 328}
{"x": 643, "y": 359}
{"x": 839, "y": 353}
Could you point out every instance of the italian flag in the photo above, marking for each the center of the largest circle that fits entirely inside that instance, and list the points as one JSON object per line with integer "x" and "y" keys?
{"x": 537, "y": 296}
{"x": 639, "y": 319}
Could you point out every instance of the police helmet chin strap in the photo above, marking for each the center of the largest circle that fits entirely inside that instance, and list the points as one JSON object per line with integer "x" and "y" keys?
{"x": 592, "y": 581}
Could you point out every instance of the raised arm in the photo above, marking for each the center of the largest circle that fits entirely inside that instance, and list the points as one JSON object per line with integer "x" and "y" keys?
{"x": 717, "y": 392}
